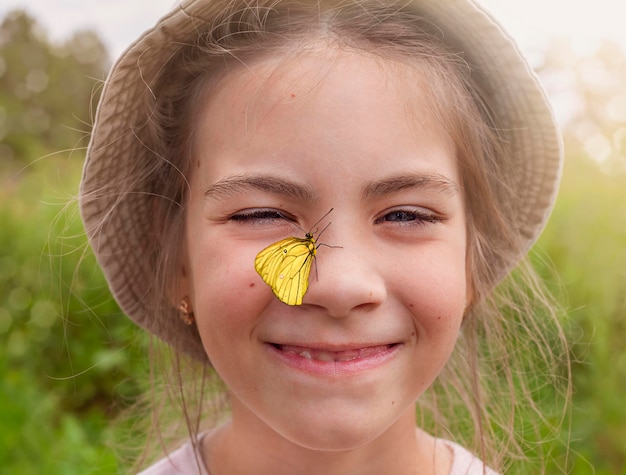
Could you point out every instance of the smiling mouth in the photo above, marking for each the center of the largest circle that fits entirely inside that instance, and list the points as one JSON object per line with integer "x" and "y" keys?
{"x": 335, "y": 356}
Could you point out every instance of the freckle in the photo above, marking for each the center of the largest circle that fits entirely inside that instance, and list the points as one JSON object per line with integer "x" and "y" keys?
{"x": 393, "y": 403}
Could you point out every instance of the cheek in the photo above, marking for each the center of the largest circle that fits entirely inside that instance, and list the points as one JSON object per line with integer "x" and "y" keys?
{"x": 437, "y": 293}
{"x": 227, "y": 307}
{"x": 225, "y": 288}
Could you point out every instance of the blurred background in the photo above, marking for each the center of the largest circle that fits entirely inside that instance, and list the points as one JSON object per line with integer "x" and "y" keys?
{"x": 69, "y": 362}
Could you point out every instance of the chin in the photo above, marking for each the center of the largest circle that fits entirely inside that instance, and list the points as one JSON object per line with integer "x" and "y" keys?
{"x": 336, "y": 434}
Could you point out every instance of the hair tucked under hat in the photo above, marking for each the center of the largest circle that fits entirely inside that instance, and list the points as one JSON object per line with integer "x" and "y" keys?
{"x": 122, "y": 173}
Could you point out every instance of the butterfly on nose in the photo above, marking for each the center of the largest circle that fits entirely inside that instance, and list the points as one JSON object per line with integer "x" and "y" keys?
{"x": 286, "y": 265}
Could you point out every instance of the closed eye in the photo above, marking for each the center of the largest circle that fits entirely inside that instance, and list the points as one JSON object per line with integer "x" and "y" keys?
{"x": 259, "y": 216}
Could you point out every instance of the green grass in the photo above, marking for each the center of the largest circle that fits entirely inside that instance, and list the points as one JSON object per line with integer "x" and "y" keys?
{"x": 68, "y": 354}
{"x": 586, "y": 243}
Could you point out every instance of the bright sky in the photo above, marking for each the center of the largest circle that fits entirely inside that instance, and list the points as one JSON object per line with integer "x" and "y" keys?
{"x": 531, "y": 22}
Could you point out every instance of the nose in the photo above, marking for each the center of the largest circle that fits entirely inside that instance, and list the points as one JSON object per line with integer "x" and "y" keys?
{"x": 346, "y": 278}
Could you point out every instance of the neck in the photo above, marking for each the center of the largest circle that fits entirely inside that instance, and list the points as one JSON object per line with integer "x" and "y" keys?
{"x": 238, "y": 449}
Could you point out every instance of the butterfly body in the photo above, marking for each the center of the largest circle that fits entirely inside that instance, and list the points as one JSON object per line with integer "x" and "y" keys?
{"x": 285, "y": 266}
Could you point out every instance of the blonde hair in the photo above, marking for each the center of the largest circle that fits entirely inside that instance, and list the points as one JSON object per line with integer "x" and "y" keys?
{"x": 477, "y": 398}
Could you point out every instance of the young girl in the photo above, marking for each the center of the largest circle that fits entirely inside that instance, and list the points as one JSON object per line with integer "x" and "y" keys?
{"x": 416, "y": 138}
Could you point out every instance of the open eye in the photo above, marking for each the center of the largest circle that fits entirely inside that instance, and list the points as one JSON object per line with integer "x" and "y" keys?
{"x": 410, "y": 216}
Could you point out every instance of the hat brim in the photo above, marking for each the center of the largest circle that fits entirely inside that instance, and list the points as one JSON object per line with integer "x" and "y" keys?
{"x": 118, "y": 230}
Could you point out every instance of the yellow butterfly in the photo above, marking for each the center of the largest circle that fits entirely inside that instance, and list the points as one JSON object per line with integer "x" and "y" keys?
{"x": 285, "y": 265}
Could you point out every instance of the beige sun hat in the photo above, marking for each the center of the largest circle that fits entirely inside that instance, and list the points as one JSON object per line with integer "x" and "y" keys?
{"x": 119, "y": 224}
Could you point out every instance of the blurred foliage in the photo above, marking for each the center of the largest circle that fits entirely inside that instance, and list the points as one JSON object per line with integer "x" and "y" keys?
{"x": 68, "y": 358}
{"x": 69, "y": 361}
{"x": 586, "y": 243}
{"x": 46, "y": 90}
{"x": 590, "y": 91}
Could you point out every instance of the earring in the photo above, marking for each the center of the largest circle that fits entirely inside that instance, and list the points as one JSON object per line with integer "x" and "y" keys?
{"x": 184, "y": 311}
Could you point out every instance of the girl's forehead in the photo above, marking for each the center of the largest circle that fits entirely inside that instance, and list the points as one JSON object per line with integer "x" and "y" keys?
{"x": 310, "y": 111}
{"x": 326, "y": 78}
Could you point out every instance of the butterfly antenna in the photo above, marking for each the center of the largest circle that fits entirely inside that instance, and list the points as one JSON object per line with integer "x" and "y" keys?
{"x": 322, "y": 231}
{"x": 320, "y": 220}
{"x": 323, "y": 243}
{"x": 294, "y": 224}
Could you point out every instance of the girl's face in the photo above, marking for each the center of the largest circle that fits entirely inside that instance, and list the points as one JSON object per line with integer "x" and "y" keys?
{"x": 278, "y": 144}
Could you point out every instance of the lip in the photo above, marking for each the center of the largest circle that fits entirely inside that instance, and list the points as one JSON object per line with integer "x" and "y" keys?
{"x": 333, "y": 360}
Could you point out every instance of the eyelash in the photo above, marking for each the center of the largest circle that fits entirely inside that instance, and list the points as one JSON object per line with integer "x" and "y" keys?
{"x": 410, "y": 217}
{"x": 260, "y": 216}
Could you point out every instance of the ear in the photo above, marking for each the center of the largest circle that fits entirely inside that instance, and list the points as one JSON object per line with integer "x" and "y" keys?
{"x": 183, "y": 285}
{"x": 173, "y": 249}
{"x": 182, "y": 281}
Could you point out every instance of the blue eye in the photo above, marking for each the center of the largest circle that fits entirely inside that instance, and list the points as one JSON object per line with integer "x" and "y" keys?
{"x": 400, "y": 215}
{"x": 410, "y": 216}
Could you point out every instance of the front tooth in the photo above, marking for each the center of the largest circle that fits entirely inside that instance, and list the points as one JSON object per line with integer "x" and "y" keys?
{"x": 306, "y": 354}
{"x": 324, "y": 356}
{"x": 349, "y": 355}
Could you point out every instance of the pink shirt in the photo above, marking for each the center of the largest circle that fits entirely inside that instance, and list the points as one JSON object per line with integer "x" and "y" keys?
{"x": 184, "y": 462}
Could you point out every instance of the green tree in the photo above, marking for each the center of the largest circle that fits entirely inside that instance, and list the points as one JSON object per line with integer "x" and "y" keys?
{"x": 46, "y": 90}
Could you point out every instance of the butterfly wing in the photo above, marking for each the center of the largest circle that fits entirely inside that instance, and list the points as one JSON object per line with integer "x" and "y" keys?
{"x": 285, "y": 266}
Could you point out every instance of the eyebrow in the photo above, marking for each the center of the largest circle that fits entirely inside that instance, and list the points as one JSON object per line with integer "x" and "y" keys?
{"x": 431, "y": 182}
{"x": 235, "y": 184}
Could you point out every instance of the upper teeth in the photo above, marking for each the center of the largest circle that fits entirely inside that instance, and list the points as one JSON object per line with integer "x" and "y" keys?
{"x": 329, "y": 356}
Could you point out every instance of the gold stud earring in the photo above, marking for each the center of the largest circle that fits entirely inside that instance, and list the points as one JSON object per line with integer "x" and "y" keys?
{"x": 185, "y": 312}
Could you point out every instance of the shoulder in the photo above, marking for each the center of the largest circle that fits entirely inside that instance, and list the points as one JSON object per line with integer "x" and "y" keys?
{"x": 183, "y": 460}
{"x": 466, "y": 463}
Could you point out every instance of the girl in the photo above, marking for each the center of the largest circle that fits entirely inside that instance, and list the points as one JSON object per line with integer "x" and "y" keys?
{"x": 230, "y": 129}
